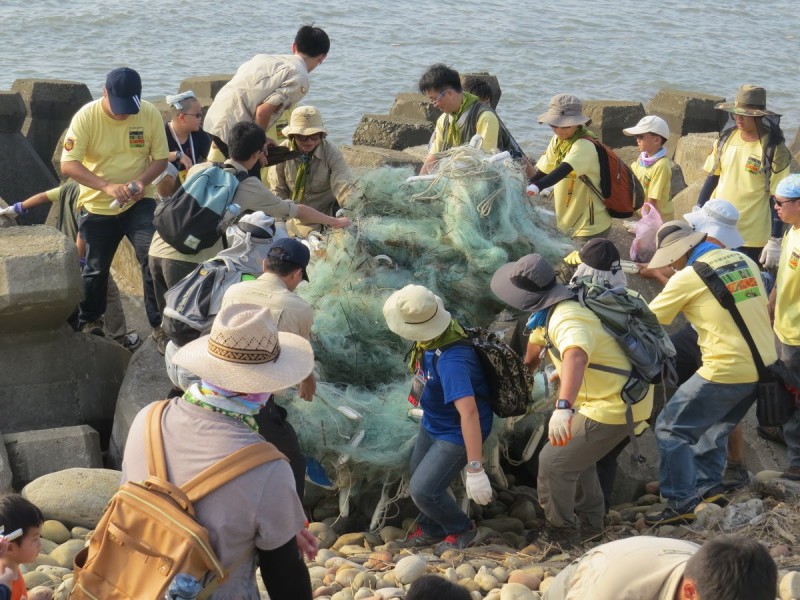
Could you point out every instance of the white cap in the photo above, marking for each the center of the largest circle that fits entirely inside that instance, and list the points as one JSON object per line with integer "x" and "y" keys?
{"x": 649, "y": 124}
{"x": 717, "y": 218}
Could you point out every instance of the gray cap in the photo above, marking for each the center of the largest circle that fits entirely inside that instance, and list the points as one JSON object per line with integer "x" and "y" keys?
{"x": 529, "y": 284}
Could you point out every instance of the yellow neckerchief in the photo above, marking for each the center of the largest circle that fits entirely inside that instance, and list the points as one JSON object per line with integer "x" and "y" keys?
{"x": 562, "y": 146}
{"x": 303, "y": 172}
{"x": 453, "y": 333}
{"x": 453, "y": 137}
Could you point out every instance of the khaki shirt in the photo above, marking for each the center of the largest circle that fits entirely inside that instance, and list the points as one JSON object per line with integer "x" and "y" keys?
{"x": 290, "y": 312}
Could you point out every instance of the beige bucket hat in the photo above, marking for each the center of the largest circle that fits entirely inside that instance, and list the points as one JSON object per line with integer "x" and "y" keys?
{"x": 673, "y": 240}
{"x": 750, "y": 101}
{"x": 305, "y": 120}
{"x": 416, "y": 313}
{"x": 245, "y": 352}
{"x": 564, "y": 110}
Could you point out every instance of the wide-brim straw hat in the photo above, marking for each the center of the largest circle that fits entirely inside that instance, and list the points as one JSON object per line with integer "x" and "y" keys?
{"x": 529, "y": 284}
{"x": 416, "y": 313}
{"x": 750, "y": 101}
{"x": 673, "y": 240}
{"x": 245, "y": 353}
{"x": 564, "y": 110}
{"x": 718, "y": 219}
{"x": 305, "y": 120}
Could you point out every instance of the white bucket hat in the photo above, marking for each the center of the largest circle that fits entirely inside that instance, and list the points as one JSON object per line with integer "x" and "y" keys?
{"x": 718, "y": 219}
{"x": 416, "y": 313}
{"x": 305, "y": 120}
{"x": 245, "y": 353}
{"x": 649, "y": 124}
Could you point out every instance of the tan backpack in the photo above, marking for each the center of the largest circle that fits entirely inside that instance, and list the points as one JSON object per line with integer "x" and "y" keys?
{"x": 149, "y": 533}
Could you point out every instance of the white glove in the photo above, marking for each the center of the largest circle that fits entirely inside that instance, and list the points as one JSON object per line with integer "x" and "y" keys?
{"x": 478, "y": 487}
{"x": 8, "y": 212}
{"x": 532, "y": 189}
{"x": 559, "y": 431}
{"x": 771, "y": 253}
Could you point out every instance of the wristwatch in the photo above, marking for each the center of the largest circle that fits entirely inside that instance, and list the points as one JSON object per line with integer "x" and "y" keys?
{"x": 474, "y": 465}
{"x": 178, "y": 154}
{"x": 564, "y": 404}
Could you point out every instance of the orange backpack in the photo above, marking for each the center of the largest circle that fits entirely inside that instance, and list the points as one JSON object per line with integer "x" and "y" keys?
{"x": 149, "y": 533}
{"x": 619, "y": 190}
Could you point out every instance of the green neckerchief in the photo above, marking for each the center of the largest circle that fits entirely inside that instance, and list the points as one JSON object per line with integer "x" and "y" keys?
{"x": 563, "y": 146}
{"x": 453, "y": 333}
{"x": 248, "y": 420}
{"x": 303, "y": 171}
{"x": 453, "y": 137}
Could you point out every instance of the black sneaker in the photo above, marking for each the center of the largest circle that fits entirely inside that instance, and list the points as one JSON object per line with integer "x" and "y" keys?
{"x": 564, "y": 538}
{"x": 716, "y": 495}
{"x": 461, "y": 540}
{"x": 93, "y": 328}
{"x": 735, "y": 476}
{"x": 683, "y": 515}
{"x": 132, "y": 341}
{"x": 418, "y": 539}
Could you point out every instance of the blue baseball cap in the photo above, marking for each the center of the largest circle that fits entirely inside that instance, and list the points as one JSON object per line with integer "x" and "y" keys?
{"x": 124, "y": 89}
{"x": 292, "y": 251}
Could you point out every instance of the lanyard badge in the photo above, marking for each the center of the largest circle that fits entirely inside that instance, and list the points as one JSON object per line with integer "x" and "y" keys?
{"x": 417, "y": 386}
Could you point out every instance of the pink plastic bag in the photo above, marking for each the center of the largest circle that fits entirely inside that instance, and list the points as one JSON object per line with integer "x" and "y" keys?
{"x": 644, "y": 244}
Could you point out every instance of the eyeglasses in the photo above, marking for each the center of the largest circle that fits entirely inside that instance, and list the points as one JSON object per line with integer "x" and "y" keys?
{"x": 440, "y": 96}
{"x": 314, "y": 137}
{"x": 195, "y": 115}
{"x": 782, "y": 202}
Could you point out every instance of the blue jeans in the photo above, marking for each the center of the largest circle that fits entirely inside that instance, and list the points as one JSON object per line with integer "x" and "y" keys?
{"x": 790, "y": 355}
{"x": 692, "y": 435}
{"x": 434, "y": 465}
{"x": 102, "y": 234}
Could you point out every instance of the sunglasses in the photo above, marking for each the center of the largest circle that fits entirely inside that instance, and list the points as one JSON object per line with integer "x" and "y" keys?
{"x": 782, "y": 202}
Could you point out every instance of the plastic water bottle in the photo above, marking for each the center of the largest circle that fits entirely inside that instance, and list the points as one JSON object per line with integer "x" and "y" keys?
{"x": 184, "y": 587}
{"x": 229, "y": 216}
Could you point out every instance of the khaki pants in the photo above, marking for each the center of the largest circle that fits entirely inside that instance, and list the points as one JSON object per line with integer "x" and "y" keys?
{"x": 568, "y": 483}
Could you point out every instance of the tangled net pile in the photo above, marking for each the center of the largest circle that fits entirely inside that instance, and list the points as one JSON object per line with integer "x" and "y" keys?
{"x": 448, "y": 233}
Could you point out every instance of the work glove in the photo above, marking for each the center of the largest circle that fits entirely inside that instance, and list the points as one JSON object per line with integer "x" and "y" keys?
{"x": 771, "y": 253}
{"x": 532, "y": 189}
{"x": 573, "y": 258}
{"x": 479, "y": 490}
{"x": 559, "y": 431}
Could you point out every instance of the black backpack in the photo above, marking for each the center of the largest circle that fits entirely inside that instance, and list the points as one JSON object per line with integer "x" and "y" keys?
{"x": 191, "y": 219}
{"x": 510, "y": 380}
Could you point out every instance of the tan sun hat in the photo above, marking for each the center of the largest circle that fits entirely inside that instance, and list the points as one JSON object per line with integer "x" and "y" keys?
{"x": 750, "y": 101}
{"x": 673, "y": 240}
{"x": 416, "y": 313}
{"x": 564, "y": 110}
{"x": 305, "y": 120}
{"x": 245, "y": 352}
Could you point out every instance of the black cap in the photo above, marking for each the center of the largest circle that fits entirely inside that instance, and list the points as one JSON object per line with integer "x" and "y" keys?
{"x": 291, "y": 251}
{"x": 600, "y": 254}
{"x": 124, "y": 88}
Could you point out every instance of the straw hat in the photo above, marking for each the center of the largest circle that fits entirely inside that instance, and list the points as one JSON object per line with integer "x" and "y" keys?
{"x": 245, "y": 353}
{"x": 673, "y": 240}
{"x": 564, "y": 111}
{"x": 305, "y": 120}
{"x": 718, "y": 219}
{"x": 750, "y": 101}
{"x": 416, "y": 313}
{"x": 529, "y": 284}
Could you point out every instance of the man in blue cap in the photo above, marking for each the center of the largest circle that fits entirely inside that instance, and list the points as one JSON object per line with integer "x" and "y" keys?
{"x": 114, "y": 148}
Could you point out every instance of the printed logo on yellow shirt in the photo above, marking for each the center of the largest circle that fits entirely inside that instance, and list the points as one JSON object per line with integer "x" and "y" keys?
{"x": 69, "y": 144}
{"x": 740, "y": 281}
{"x": 793, "y": 259}
{"x": 753, "y": 165}
{"x": 136, "y": 137}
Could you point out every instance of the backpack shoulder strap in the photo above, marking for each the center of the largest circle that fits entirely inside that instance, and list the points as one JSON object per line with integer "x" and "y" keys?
{"x": 439, "y": 351}
{"x": 154, "y": 442}
{"x": 229, "y": 468}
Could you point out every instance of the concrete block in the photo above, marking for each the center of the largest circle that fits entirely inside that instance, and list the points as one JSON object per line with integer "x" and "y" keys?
{"x": 677, "y": 184}
{"x": 628, "y": 153}
{"x": 394, "y": 133}
{"x": 488, "y": 78}
{"x": 36, "y": 453}
{"x": 40, "y": 282}
{"x": 686, "y": 199}
{"x": 145, "y": 381}
{"x": 55, "y": 159}
{"x": 794, "y": 145}
{"x": 610, "y": 117}
{"x": 6, "y": 475}
{"x": 687, "y": 112}
{"x": 371, "y": 157}
{"x": 691, "y": 153}
{"x": 12, "y": 112}
{"x": 416, "y": 106}
{"x": 205, "y": 86}
{"x": 51, "y": 105}
{"x": 418, "y": 152}
{"x": 59, "y": 378}
{"x": 30, "y": 173}
{"x": 127, "y": 271}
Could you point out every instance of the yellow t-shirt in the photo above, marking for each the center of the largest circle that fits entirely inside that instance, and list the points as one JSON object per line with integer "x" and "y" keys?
{"x": 118, "y": 151}
{"x": 657, "y": 181}
{"x": 787, "y": 298}
{"x": 573, "y": 326}
{"x": 741, "y": 182}
{"x": 486, "y": 126}
{"x": 579, "y": 212}
{"x": 726, "y": 356}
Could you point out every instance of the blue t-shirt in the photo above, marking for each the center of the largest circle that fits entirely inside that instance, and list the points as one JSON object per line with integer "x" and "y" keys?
{"x": 458, "y": 374}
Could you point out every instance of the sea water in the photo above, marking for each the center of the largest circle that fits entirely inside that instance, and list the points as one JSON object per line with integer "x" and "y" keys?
{"x": 601, "y": 49}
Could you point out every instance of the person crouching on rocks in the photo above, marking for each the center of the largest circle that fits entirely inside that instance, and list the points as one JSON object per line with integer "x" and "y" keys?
{"x": 451, "y": 388}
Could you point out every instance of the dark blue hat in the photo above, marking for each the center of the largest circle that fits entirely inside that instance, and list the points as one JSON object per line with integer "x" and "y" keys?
{"x": 124, "y": 88}
{"x": 292, "y": 251}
